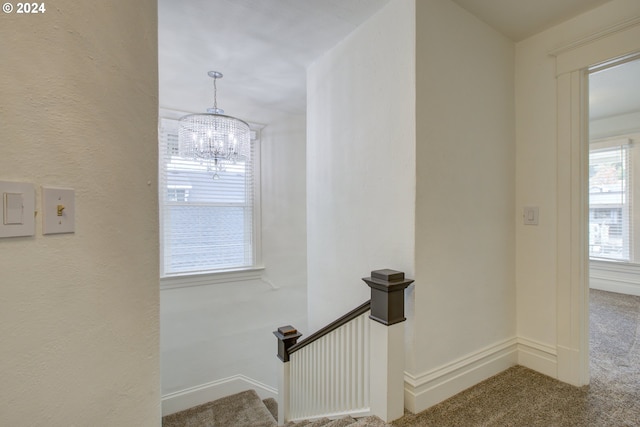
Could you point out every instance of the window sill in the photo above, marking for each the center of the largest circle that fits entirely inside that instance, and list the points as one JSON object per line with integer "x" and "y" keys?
{"x": 184, "y": 281}
{"x": 614, "y": 265}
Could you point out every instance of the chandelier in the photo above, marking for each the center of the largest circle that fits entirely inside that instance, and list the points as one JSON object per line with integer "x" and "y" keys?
{"x": 212, "y": 138}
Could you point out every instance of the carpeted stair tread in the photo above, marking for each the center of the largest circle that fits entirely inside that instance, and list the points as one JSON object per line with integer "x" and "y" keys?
{"x": 244, "y": 409}
{"x": 370, "y": 421}
{"x": 319, "y": 423}
{"x": 341, "y": 422}
{"x": 272, "y": 406}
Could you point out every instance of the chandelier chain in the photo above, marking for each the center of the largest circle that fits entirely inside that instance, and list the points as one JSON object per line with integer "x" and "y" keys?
{"x": 215, "y": 94}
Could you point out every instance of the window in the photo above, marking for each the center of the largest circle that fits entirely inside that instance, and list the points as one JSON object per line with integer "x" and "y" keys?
{"x": 610, "y": 234}
{"x": 206, "y": 225}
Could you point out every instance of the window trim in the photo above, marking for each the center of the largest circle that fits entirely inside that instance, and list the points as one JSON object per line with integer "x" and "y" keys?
{"x": 611, "y": 144}
{"x": 199, "y": 278}
{"x": 203, "y": 279}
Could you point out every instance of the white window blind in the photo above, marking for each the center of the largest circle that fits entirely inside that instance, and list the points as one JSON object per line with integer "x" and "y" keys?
{"x": 610, "y": 225}
{"x": 206, "y": 225}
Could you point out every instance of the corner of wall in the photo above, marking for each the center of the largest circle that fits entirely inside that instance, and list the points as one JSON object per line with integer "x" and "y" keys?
{"x": 429, "y": 388}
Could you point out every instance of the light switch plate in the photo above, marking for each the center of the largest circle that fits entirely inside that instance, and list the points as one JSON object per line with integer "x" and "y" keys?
{"x": 13, "y": 211}
{"x": 18, "y": 201}
{"x": 530, "y": 215}
{"x": 58, "y": 210}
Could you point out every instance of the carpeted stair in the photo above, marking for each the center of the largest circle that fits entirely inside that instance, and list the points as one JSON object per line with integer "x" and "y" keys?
{"x": 245, "y": 409}
{"x": 371, "y": 421}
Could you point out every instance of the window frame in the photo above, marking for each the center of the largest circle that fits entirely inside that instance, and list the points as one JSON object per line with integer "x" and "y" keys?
{"x": 218, "y": 276}
{"x": 610, "y": 144}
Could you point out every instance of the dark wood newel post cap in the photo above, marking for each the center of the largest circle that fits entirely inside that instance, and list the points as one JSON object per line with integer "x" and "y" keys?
{"x": 287, "y": 336}
{"x": 387, "y": 295}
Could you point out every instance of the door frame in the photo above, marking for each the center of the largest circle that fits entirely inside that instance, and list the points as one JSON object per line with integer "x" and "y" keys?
{"x": 572, "y": 64}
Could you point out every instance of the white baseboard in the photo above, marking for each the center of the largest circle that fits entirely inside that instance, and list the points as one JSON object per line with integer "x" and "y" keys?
{"x": 617, "y": 286}
{"x": 621, "y": 278}
{"x": 425, "y": 390}
{"x": 420, "y": 392}
{"x": 538, "y": 356}
{"x": 188, "y": 398}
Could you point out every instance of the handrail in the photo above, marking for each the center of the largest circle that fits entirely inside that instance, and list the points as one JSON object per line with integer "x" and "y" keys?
{"x": 331, "y": 327}
{"x": 350, "y": 366}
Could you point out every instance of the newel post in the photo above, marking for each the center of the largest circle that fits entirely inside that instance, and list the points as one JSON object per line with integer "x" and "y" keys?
{"x": 387, "y": 343}
{"x": 287, "y": 336}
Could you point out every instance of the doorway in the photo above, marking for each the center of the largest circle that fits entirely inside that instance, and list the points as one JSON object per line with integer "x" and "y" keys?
{"x": 614, "y": 166}
{"x": 614, "y": 220}
{"x": 574, "y": 60}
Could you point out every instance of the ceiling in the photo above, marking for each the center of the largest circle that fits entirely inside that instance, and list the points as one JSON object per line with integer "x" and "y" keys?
{"x": 263, "y": 47}
{"x": 615, "y": 91}
{"x": 519, "y": 19}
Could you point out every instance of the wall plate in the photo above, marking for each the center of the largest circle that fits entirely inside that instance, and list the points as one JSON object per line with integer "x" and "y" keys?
{"x": 58, "y": 210}
{"x": 17, "y": 209}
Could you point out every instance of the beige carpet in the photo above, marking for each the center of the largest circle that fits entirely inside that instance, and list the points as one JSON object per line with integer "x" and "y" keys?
{"x": 522, "y": 397}
{"x": 243, "y": 409}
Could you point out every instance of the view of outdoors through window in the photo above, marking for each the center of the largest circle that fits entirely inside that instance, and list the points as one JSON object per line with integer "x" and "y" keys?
{"x": 609, "y": 203}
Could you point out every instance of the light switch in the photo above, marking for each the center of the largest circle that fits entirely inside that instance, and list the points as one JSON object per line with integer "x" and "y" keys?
{"x": 530, "y": 215}
{"x": 13, "y": 209}
{"x": 58, "y": 210}
{"x": 18, "y": 209}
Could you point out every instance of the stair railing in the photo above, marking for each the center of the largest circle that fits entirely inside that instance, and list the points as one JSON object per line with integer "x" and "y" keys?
{"x": 353, "y": 366}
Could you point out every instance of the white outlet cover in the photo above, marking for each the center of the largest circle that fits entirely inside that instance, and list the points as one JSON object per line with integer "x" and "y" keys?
{"x": 12, "y": 222}
{"x": 52, "y": 199}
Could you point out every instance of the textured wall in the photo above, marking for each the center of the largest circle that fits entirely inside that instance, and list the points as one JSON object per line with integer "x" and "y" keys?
{"x": 79, "y": 312}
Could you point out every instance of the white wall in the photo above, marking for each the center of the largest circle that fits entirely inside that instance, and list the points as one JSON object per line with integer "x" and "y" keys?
{"x": 360, "y": 161}
{"x": 537, "y": 167}
{"x": 79, "y": 312}
{"x": 284, "y": 201}
{"x": 214, "y": 333}
{"x": 367, "y": 208}
{"x": 465, "y": 240}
